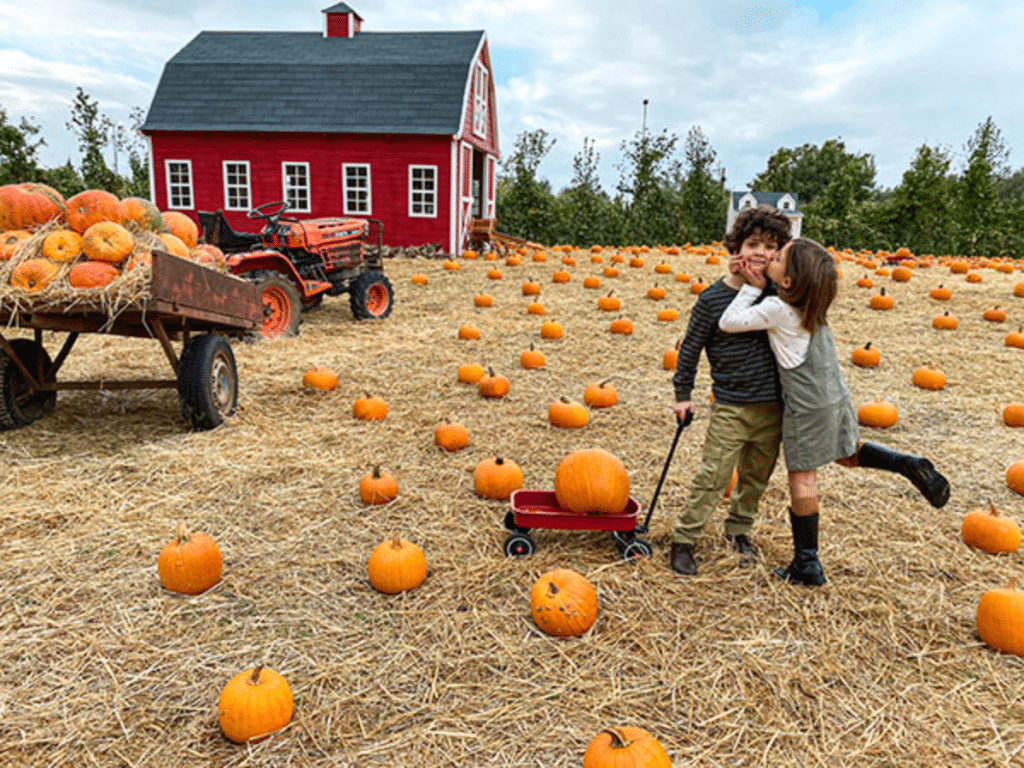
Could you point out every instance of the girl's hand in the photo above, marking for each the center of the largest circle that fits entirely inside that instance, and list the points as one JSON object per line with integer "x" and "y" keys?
{"x": 754, "y": 277}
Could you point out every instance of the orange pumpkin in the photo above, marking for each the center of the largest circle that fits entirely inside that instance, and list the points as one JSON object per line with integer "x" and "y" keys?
{"x": 369, "y": 408}
{"x": 995, "y": 315}
{"x": 927, "y": 377}
{"x": 591, "y": 281}
{"x": 941, "y": 293}
{"x": 469, "y": 332}
{"x": 496, "y": 478}
{"x": 566, "y": 414}
{"x": 91, "y": 207}
{"x": 11, "y": 242}
{"x": 549, "y": 329}
{"x": 532, "y": 358}
{"x": 378, "y": 487}
{"x": 609, "y": 303}
{"x": 493, "y": 386}
{"x": 592, "y": 481}
{"x": 1000, "y": 619}
{"x": 625, "y": 746}
{"x": 182, "y": 227}
{"x": 879, "y": 414}
{"x": 190, "y": 563}
{"x": 396, "y": 565}
{"x": 92, "y": 274}
{"x": 141, "y": 214}
{"x": 62, "y": 245}
{"x": 1015, "y": 339}
{"x": 470, "y": 373}
{"x": 945, "y": 322}
{"x": 990, "y": 532}
{"x": 1015, "y": 477}
{"x": 866, "y": 356}
{"x": 600, "y": 395}
{"x": 419, "y": 279}
{"x": 622, "y": 325}
{"x": 881, "y": 301}
{"x": 253, "y": 704}
{"x": 33, "y": 274}
{"x": 451, "y": 437}
{"x": 668, "y": 315}
{"x": 563, "y": 603}
{"x": 483, "y": 300}
{"x": 25, "y": 206}
{"x": 174, "y": 245}
{"x": 323, "y": 379}
{"x": 107, "y": 241}
{"x": 1013, "y": 415}
{"x": 535, "y": 308}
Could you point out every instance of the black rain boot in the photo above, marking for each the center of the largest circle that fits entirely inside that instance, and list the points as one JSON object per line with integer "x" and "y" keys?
{"x": 805, "y": 568}
{"x": 917, "y": 469}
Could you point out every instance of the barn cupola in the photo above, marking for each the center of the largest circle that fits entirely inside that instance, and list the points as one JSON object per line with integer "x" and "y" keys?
{"x": 341, "y": 21}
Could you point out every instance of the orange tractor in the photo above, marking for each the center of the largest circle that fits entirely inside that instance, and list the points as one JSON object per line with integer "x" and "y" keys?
{"x": 296, "y": 263}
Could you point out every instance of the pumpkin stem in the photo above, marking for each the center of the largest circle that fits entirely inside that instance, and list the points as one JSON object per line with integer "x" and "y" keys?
{"x": 396, "y": 541}
{"x": 254, "y": 679}
{"x": 992, "y": 509}
{"x": 376, "y": 472}
{"x": 564, "y": 399}
{"x": 553, "y": 589}
{"x": 619, "y": 740}
{"x": 181, "y": 535}
{"x": 499, "y": 460}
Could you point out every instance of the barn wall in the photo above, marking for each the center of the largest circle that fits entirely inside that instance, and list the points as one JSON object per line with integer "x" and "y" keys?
{"x": 389, "y": 157}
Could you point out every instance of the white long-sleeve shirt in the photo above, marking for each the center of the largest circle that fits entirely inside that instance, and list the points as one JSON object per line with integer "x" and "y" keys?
{"x": 787, "y": 338}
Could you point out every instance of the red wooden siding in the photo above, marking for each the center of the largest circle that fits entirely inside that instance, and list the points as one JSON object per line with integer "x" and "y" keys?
{"x": 389, "y": 158}
{"x": 490, "y": 143}
{"x": 338, "y": 23}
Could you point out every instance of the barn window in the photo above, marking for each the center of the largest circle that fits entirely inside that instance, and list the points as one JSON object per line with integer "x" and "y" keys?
{"x": 423, "y": 190}
{"x": 480, "y": 101}
{"x": 236, "y": 186}
{"x": 179, "y": 183}
{"x": 356, "y": 183}
{"x": 295, "y": 182}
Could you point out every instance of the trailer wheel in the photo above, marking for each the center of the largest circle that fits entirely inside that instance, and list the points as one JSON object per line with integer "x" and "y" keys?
{"x": 207, "y": 381}
{"x": 282, "y": 306}
{"x": 20, "y": 405}
{"x": 371, "y": 296}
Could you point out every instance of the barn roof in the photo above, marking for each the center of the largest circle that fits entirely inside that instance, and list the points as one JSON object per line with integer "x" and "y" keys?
{"x": 374, "y": 82}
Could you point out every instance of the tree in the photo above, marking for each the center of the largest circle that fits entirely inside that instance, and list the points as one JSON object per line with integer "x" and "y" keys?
{"x": 922, "y": 205}
{"x": 588, "y": 217}
{"x": 647, "y": 168}
{"x": 524, "y": 206}
{"x": 18, "y": 151}
{"x": 978, "y": 208}
{"x": 703, "y": 201}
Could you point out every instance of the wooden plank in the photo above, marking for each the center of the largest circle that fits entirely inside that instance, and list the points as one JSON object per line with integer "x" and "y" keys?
{"x": 194, "y": 291}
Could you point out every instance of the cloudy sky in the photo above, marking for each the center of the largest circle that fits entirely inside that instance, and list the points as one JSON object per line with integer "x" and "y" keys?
{"x": 884, "y": 75}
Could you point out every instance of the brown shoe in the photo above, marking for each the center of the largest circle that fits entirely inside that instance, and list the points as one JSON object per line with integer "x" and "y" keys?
{"x": 682, "y": 559}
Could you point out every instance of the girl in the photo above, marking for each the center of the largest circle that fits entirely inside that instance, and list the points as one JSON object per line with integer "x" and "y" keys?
{"x": 819, "y": 425}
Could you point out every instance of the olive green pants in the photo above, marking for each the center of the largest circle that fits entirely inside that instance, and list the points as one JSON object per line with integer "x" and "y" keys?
{"x": 742, "y": 436}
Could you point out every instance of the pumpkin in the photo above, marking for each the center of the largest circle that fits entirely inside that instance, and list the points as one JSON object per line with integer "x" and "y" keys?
{"x": 451, "y": 266}
{"x": 940, "y": 294}
{"x": 995, "y": 315}
{"x": 182, "y": 227}
{"x": 469, "y": 332}
{"x": 378, "y": 487}
{"x": 470, "y": 373}
{"x": 141, "y": 214}
{"x": 668, "y": 315}
{"x": 494, "y": 274}
{"x": 535, "y": 308}
{"x": 532, "y": 358}
{"x": 617, "y": 747}
{"x": 1015, "y": 339}
{"x": 1018, "y": 289}
{"x": 369, "y": 408}
{"x": 636, "y": 262}
{"x": 927, "y": 377}
{"x": 62, "y": 245}
{"x": 320, "y": 378}
{"x": 418, "y": 279}
{"x": 12, "y": 242}
{"x": 622, "y": 325}
{"x": 596, "y": 248}
{"x": 1013, "y": 415}
{"x": 563, "y": 603}
{"x": 490, "y": 256}
{"x": 469, "y": 254}
{"x": 670, "y": 358}
{"x": 566, "y": 414}
{"x": 496, "y": 478}
{"x": 34, "y": 274}
{"x": 866, "y": 356}
{"x": 561, "y": 276}
{"x": 663, "y": 269}
{"x": 91, "y": 207}
{"x": 600, "y": 395}
{"x": 107, "y": 241}
{"x": 879, "y": 414}
{"x": 959, "y": 267}
{"x": 254, "y": 704}
{"x": 28, "y": 205}
{"x": 209, "y": 255}
{"x": 451, "y": 437}
{"x": 396, "y": 565}
{"x": 990, "y": 532}
{"x": 492, "y": 385}
{"x": 617, "y": 258}
{"x": 901, "y": 274}
{"x": 174, "y": 245}
{"x": 656, "y": 292}
{"x": 1015, "y": 477}
{"x": 92, "y": 274}
{"x": 592, "y": 481}
{"x": 881, "y": 301}
{"x": 530, "y": 288}
{"x": 865, "y": 282}
{"x": 609, "y": 303}
{"x": 482, "y": 300}
{"x": 539, "y": 256}
{"x": 190, "y": 563}
{"x": 682, "y": 277}
{"x": 610, "y": 271}
{"x": 945, "y": 322}
{"x": 597, "y": 260}
{"x": 549, "y": 329}
{"x": 1000, "y": 619}
{"x": 697, "y": 286}
{"x": 591, "y": 281}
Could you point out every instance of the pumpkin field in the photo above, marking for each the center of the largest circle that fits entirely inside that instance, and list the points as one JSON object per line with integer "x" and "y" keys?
{"x": 882, "y": 666}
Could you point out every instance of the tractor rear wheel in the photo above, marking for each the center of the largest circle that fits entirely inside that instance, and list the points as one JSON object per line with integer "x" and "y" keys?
{"x": 371, "y": 296}
{"x": 282, "y": 306}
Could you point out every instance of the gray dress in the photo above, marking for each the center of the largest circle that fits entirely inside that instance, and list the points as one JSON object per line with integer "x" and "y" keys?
{"x": 818, "y": 421}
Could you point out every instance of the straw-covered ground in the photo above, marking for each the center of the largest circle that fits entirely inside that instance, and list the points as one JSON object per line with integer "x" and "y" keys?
{"x": 881, "y": 667}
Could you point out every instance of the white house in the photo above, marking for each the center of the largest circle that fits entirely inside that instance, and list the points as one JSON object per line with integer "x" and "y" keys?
{"x": 787, "y": 202}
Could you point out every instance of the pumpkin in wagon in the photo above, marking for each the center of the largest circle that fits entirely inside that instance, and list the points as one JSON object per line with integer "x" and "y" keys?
{"x": 563, "y": 603}
{"x": 62, "y": 245}
{"x": 182, "y": 227}
{"x": 34, "y": 274}
{"x": 396, "y": 565}
{"x": 28, "y": 205}
{"x": 190, "y": 563}
{"x": 91, "y": 207}
{"x": 92, "y": 274}
{"x": 11, "y": 243}
{"x": 253, "y": 704}
{"x": 592, "y": 480}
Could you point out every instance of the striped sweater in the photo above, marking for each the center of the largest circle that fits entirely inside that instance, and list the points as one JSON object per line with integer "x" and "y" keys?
{"x": 743, "y": 370}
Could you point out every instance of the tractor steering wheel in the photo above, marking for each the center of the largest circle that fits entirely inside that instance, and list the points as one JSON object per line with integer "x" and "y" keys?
{"x": 272, "y": 218}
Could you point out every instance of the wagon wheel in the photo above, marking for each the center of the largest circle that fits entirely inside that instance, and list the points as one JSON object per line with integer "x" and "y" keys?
{"x": 519, "y": 545}
{"x": 207, "y": 381}
{"x": 281, "y": 305}
{"x": 371, "y": 296}
{"x": 20, "y": 405}
{"x": 636, "y": 548}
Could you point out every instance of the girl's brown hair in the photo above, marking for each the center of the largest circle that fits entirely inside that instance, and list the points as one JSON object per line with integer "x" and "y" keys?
{"x": 813, "y": 282}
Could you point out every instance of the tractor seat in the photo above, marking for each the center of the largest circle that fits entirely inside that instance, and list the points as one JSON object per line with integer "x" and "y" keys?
{"x": 217, "y": 231}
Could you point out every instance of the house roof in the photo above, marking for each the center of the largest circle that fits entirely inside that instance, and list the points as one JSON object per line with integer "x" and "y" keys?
{"x": 374, "y": 82}
{"x": 341, "y": 8}
{"x": 766, "y": 198}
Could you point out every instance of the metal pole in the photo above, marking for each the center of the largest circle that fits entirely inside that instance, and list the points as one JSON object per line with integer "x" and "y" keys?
{"x": 644, "y": 131}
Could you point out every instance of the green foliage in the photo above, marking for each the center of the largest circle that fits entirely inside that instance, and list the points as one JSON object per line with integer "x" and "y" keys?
{"x": 703, "y": 201}
{"x": 525, "y": 206}
{"x": 18, "y": 151}
{"x": 647, "y": 169}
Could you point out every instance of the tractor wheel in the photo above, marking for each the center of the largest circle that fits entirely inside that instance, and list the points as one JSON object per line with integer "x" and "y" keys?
{"x": 20, "y": 405}
{"x": 371, "y": 296}
{"x": 282, "y": 306}
{"x": 207, "y": 381}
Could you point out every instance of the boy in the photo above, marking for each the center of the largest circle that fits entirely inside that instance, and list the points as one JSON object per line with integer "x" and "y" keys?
{"x": 745, "y": 427}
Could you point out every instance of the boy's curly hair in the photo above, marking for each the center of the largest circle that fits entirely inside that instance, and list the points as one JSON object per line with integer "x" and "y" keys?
{"x": 770, "y": 221}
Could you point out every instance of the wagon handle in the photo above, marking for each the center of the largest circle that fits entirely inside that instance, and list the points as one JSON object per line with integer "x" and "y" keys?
{"x": 681, "y": 424}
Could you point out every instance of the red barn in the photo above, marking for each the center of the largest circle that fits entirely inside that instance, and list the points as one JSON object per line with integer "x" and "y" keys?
{"x": 396, "y": 126}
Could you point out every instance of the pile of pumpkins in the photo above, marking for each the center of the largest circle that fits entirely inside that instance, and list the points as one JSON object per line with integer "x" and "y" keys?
{"x": 90, "y": 239}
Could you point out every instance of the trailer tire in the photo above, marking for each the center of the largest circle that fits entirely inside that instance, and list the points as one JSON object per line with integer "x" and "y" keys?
{"x": 282, "y": 306}
{"x": 207, "y": 381}
{"x": 371, "y": 296}
{"x": 19, "y": 404}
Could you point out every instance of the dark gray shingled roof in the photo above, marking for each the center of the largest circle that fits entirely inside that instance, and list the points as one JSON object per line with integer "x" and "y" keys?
{"x": 375, "y": 82}
{"x": 341, "y": 8}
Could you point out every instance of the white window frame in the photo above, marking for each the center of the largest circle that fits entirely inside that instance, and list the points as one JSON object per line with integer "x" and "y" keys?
{"x": 244, "y": 189}
{"x": 367, "y": 208}
{"x": 286, "y": 187}
{"x": 413, "y": 192}
{"x": 480, "y": 110}
{"x": 174, "y": 189}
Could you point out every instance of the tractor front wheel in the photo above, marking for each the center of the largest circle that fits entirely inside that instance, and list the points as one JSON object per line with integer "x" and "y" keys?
{"x": 282, "y": 306}
{"x": 371, "y": 296}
